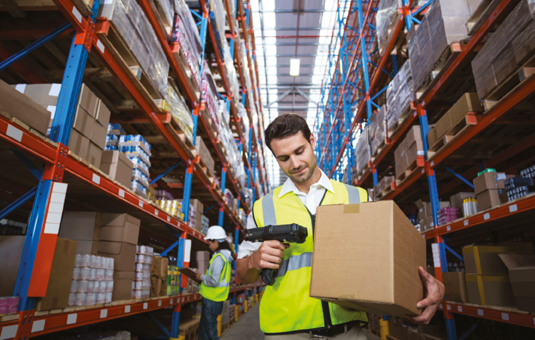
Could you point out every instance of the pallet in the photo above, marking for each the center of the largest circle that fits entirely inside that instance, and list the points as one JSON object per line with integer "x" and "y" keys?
{"x": 113, "y": 41}
{"x": 185, "y": 69}
{"x": 206, "y": 172}
{"x": 521, "y": 74}
{"x": 385, "y": 191}
{"x": 401, "y": 40}
{"x": 414, "y": 166}
{"x": 481, "y": 14}
{"x": 391, "y": 131}
{"x": 180, "y": 136}
{"x": 189, "y": 329}
{"x": 446, "y": 59}
{"x": 225, "y": 328}
{"x": 453, "y": 133}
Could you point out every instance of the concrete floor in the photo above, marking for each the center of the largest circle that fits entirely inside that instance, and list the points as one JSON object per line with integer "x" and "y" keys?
{"x": 248, "y": 327}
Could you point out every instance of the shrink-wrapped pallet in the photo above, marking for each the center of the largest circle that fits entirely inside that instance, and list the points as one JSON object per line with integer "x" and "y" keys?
{"x": 362, "y": 151}
{"x": 376, "y": 129}
{"x": 399, "y": 95}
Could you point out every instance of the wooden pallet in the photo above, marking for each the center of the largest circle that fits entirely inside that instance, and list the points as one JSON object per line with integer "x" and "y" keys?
{"x": 453, "y": 133}
{"x": 189, "y": 329}
{"x": 481, "y": 14}
{"x": 522, "y": 73}
{"x": 446, "y": 59}
{"x": 385, "y": 191}
{"x": 414, "y": 166}
{"x": 113, "y": 41}
{"x": 392, "y": 130}
{"x": 401, "y": 40}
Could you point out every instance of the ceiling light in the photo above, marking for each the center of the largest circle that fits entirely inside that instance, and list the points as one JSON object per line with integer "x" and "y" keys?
{"x": 294, "y": 67}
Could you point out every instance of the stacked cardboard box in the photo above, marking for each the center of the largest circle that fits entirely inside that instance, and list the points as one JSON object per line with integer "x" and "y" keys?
{"x": 141, "y": 286}
{"x": 408, "y": 150}
{"x": 383, "y": 184}
{"x": 84, "y": 227}
{"x": 469, "y": 102}
{"x": 377, "y": 129}
{"x": 362, "y": 151}
{"x": 489, "y": 188}
{"x": 27, "y": 111}
{"x": 399, "y": 95}
{"x": 425, "y": 214}
{"x": 458, "y": 199}
{"x": 205, "y": 155}
{"x": 522, "y": 276}
{"x": 118, "y": 239}
{"x": 117, "y": 166}
{"x": 158, "y": 276}
{"x": 443, "y": 24}
{"x": 487, "y": 279}
{"x": 92, "y": 280}
{"x": 88, "y": 136}
{"x": 504, "y": 52}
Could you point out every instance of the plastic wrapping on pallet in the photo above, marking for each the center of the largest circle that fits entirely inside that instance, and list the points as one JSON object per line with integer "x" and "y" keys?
{"x": 136, "y": 31}
{"x": 218, "y": 8}
{"x": 377, "y": 128}
{"x": 383, "y": 19}
{"x": 399, "y": 95}
{"x": 362, "y": 151}
{"x": 176, "y": 105}
{"x": 209, "y": 96}
{"x": 383, "y": 184}
{"x": 505, "y": 51}
{"x": 182, "y": 9}
{"x": 443, "y": 24}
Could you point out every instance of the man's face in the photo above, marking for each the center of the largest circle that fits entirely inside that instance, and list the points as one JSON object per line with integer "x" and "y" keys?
{"x": 295, "y": 156}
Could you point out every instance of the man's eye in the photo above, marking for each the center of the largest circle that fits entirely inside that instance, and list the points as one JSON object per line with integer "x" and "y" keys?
{"x": 299, "y": 152}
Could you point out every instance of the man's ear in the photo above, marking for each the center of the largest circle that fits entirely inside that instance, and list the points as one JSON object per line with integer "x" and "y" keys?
{"x": 312, "y": 141}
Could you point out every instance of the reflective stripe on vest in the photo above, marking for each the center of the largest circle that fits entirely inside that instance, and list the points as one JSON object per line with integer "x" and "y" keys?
{"x": 294, "y": 263}
{"x": 269, "y": 210}
{"x": 353, "y": 193}
{"x": 220, "y": 292}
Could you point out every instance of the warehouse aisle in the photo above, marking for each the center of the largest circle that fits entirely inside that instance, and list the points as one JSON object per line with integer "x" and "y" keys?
{"x": 248, "y": 327}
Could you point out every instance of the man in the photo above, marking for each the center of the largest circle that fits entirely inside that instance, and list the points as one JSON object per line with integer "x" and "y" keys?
{"x": 287, "y": 311}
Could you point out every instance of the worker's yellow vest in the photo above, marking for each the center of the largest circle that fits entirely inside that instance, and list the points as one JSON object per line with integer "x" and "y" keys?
{"x": 219, "y": 293}
{"x": 287, "y": 306}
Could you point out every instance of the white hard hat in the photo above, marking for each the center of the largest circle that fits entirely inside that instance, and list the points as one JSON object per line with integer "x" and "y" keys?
{"x": 215, "y": 232}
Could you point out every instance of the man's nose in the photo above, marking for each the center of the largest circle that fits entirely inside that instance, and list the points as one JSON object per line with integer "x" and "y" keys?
{"x": 294, "y": 162}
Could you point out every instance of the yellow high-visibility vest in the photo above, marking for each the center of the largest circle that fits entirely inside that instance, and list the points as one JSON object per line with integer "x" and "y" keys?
{"x": 219, "y": 293}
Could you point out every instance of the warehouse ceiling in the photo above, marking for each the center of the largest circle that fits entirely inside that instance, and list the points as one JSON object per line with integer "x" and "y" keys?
{"x": 285, "y": 30}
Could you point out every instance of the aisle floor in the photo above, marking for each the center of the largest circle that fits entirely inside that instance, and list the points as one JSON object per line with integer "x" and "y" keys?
{"x": 248, "y": 327}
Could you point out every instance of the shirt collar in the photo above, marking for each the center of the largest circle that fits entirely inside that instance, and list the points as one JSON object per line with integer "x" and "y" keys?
{"x": 323, "y": 182}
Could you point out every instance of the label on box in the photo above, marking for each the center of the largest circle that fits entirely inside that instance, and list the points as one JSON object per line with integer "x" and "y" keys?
{"x": 52, "y": 110}
{"x": 54, "y": 90}
{"x": 500, "y": 176}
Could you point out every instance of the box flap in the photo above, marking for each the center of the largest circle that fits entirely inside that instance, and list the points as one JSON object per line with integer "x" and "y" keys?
{"x": 521, "y": 267}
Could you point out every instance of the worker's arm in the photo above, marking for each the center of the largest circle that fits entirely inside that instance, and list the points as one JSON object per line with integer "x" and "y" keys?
{"x": 269, "y": 255}
{"x": 435, "y": 293}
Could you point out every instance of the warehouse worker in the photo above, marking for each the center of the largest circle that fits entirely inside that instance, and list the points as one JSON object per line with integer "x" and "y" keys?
{"x": 287, "y": 311}
{"x": 215, "y": 285}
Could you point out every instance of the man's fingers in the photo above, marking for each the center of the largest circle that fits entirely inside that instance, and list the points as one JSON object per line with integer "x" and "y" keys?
{"x": 424, "y": 318}
{"x": 273, "y": 252}
{"x": 425, "y": 275}
{"x": 275, "y": 244}
{"x": 271, "y": 259}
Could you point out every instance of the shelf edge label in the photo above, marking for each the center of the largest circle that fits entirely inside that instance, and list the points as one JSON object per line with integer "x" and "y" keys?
{"x": 513, "y": 208}
{"x": 14, "y": 133}
{"x": 103, "y": 313}
{"x": 127, "y": 309}
{"x": 38, "y": 326}
{"x": 9, "y": 332}
{"x": 71, "y": 318}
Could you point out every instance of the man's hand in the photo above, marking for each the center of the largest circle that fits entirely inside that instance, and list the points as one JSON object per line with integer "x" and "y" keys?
{"x": 435, "y": 294}
{"x": 198, "y": 276}
{"x": 269, "y": 255}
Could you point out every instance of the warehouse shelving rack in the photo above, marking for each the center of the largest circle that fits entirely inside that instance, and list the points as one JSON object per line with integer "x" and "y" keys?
{"x": 63, "y": 166}
{"x": 336, "y": 127}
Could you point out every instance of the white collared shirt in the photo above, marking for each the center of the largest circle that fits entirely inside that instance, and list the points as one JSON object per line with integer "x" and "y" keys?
{"x": 311, "y": 200}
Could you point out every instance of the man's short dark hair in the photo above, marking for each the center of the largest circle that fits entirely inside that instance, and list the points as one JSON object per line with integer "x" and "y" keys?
{"x": 286, "y": 125}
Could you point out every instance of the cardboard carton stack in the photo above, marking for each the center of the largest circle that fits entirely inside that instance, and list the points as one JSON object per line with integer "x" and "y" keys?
{"x": 447, "y": 215}
{"x": 158, "y": 276}
{"x": 117, "y": 165}
{"x": 504, "y": 52}
{"x": 399, "y": 95}
{"x": 362, "y": 151}
{"x": 383, "y": 184}
{"x": 522, "y": 276}
{"x": 443, "y": 24}
{"x": 84, "y": 227}
{"x": 425, "y": 214}
{"x": 408, "y": 150}
{"x": 377, "y": 129}
{"x": 489, "y": 188}
{"x": 205, "y": 155}
{"x": 141, "y": 286}
{"x": 112, "y": 137}
{"x": 118, "y": 239}
{"x": 138, "y": 151}
{"x": 469, "y": 102}
{"x": 88, "y": 135}
{"x": 92, "y": 281}
{"x": 455, "y": 284}
{"x": 487, "y": 277}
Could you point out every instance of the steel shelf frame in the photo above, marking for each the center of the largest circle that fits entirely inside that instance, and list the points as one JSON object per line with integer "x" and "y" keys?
{"x": 44, "y": 220}
{"x": 331, "y": 133}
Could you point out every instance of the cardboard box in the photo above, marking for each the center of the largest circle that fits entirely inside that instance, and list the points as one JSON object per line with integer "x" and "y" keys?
{"x": 10, "y": 252}
{"x": 120, "y": 228}
{"x": 469, "y": 102}
{"x": 484, "y": 260}
{"x": 415, "y": 150}
{"x": 496, "y": 290}
{"x": 117, "y": 166}
{"x": 455, "y": 283}
{"x": 443, "y": 126}
{"x": 124, "y": 254}
{"x": 385, "y": 279}
{"x": 429, "y": 223}
{"x": 57, "y": 292}
{"x": 203, "y": 151}
{"x": 88, "y": 101}
{"x": 78, "y": 143}
{"x": 489, "y": 198}
{"x": 414, "y": 134}
{"x": 27, "y": 111}
{"x": 98, "y": 135}
{"x": 457, "y": 199}
{"x": 122, "y": 285}
{"x": 81, "y": 225}
{"x": 522, "y": 277}
{"x": 94, "y": 155}
{"x": 431, "y": 137}
{"x": 87, "y": 247}
{"x": 103, "y": 115}
{"x": 119, "y": 220}
{"x": 400, "y": 159}
{"x": 158, "y": 267}
{"x": 489, "y": 180}
{"x": 83, "y": 122}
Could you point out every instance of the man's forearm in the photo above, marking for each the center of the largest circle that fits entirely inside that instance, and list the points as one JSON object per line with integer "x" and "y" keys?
{"x": 246, "y": 272}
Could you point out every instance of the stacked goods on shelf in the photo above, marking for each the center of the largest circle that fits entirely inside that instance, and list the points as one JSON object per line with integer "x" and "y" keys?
{"x": 195, "y": 213}
{"x": 57, "y": 293}
{"x": 248, "y": 193}
{"x": 209, "y": 96}
{"x": 92, "y": 280}
{"x": 504, "y": 54}
{"x": 175, "y": 104}
{"x": 399, "y": 95}
{"x": 518, "y": 187}
{"x": 489, "y": 188}
{"x": 448, "y": 214}
{"x": 460, "y": 200}
{"x": 242, "y": 216}
{"x": 112, "y": 137}
{"x": 118, "y": 167}
{"x": 186, "y": 34}
{"x": 453, "y": 120}
{"x": 27, "y": 111}
{"x": 167, "y": 203}
{"x": 242, "y": 113}
{"x": 205, "y": 225}
{"x": 407, "y": 153}
{"x": 141, "y": 286}
{"x": 88, "y": 135}
{"x": 425, "y": 214}
{"x": 172, "y": 280}
{"x": 487, "y": 277}
{"x": 384, "y": 183}
{"x": 231, "y": 201}
{"x": 205, "y": 155}
{"x": 138, "y": 151}
{"x": 386, "y": 12}
{"x": 218, "y": 8}
{"x": 84, "y": 227}
{"x": 158, "y": 276}
{"x": 362, "y": 151}
{"x": 455, "y": 284}
{"x": 521, "y": 274}
{"x": 443, "y": 24}
{"x": 9, "y": 304}
{"x": 131, "y": 23}
{"x": 118, "y": 239}
{"x": 377, "y": 130}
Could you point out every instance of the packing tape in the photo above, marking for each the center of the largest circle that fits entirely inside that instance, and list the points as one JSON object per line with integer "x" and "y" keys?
{"x": 481, "y": 290}
{"x": 351, "y": 208}
{"x": 477, "y": 260}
